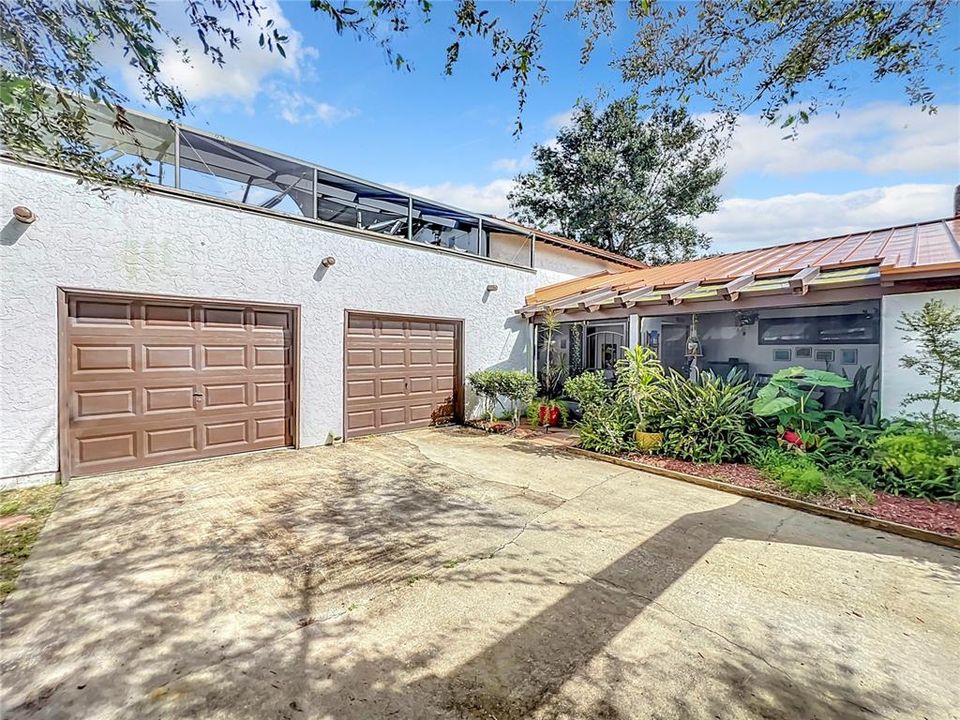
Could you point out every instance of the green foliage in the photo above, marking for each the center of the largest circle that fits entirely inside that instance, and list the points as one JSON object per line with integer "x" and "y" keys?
{"x": 607, "y": 427}
{"x": 517, "y": 386}
{"x": 628, "y": 185}
{"x": 936, "y": 329}
{"x": 793, "y": 54}
{"x": 51, "y": 64}
{"x": 788, "y": 396}
{"x": 783, "y": 60}
{"x": 918, "y": 463}
{"x": 704, "y": 420}
{"x": 799, "y": 474}
{"x": 589, "y": 389}
{"x": 640, "y": 377}
{"x": 554, "y": 370}
{"x": 858, "y": 400}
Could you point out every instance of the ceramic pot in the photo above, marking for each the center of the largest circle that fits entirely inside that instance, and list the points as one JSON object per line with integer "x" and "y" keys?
{"x": 647, "y": 441}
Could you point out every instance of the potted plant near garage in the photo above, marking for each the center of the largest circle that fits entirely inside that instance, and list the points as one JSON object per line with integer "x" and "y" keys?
{"x": 640, "y": 377}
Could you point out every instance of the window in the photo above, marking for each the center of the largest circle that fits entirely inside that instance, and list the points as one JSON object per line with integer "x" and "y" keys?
{"x": 820, "y": 330}
{"x": 213, "y": 166}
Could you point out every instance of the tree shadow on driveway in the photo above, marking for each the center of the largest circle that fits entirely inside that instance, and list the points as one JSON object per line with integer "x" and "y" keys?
{"x": 245, "y": 609}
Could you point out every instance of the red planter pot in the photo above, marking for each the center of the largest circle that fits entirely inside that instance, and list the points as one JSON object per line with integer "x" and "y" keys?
{"x": 549, "y": 416}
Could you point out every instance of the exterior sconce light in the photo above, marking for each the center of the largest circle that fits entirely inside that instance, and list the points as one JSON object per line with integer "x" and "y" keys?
{"x": 329, "y": 261}
{"x": 23, "y": 214}
{"x": 492, "y": 288}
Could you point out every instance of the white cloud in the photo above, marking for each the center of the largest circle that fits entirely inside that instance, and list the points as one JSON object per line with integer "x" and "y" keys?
{"x": 245, "y": 69}
{"x": 877, "y": 138}
{"x": 743, "y": 223}
{"x": 490, "y": 198}
{"x": 299, "y": 109}
{"x": 557, "y": 121}
{"x": 506, "y": 164}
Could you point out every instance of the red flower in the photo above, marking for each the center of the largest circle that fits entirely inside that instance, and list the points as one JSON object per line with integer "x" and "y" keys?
{"x": 789, "y": 436}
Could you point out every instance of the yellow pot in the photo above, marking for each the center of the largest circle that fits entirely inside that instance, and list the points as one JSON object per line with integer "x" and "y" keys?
{"x": 647, "y": 441}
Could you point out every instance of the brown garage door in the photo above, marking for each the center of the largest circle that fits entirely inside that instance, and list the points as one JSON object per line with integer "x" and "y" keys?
{"x": 149, "y": 381}
{"x": 400, "y": 372}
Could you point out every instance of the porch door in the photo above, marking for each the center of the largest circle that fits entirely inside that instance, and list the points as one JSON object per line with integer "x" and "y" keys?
{"x": 673, "y": 346}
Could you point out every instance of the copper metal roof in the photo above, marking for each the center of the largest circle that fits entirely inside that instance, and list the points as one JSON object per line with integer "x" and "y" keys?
{"x": 928, "y": 249}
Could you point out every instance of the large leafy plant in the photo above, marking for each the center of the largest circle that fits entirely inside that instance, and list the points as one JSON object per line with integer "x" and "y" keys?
{"x": 790, "y": 397}
{"x": 704, "y": 420}
{"x": 639, "y": 378}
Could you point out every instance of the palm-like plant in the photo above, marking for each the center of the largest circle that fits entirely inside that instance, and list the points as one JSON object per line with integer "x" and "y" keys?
{"x": 639, "y": 375}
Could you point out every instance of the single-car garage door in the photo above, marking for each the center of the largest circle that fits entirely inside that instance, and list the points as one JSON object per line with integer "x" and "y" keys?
{"x": 400, "y": 372}
{"x": 146, "y": 381}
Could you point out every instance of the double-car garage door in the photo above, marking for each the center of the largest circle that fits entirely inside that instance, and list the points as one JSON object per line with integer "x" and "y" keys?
{"x": 146, "y": 381}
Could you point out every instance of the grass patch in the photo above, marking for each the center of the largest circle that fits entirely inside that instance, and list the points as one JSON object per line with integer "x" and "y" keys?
{"x": 17, "y": 542}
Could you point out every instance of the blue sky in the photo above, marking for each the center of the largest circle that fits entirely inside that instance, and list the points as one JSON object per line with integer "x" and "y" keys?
{"x": 335, "y": 101}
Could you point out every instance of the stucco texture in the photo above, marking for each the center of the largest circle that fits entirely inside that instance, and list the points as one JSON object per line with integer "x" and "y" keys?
{"x": 158, "y": 244}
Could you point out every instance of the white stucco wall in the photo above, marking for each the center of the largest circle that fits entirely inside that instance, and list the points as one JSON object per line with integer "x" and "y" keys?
{"x": 896, "y": 382}
{"x": 151, "y": 243}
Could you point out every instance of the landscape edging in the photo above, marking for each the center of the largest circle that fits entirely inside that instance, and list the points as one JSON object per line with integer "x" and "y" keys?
{"x": 844, "y": 515}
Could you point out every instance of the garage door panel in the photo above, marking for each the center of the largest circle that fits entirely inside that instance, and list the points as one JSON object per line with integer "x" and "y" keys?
{"x": 165, "y": 399}
{"x": 225, "y": 356}
{"x": 267, "y": 392}
{"x": 104, "y": 403}
{"x": 101, "y": 312}
{"x": 168, "y": 357}
{"x": 269, "y": 428}
{"x": 99, "y": 358}
{"x": 226, "y": 395}
{"x": 225, "y": 433}
{"x": 111, "y": 448}
{"x": 222, "y": 318}
{"x": 392, "y": 357}
{"x": 170, "y": 440}
{"x": 166, "y": 316}
{"x": 392, "y": 376}
{"x": 150, "y": 381}
{"x": 270, "y": 356}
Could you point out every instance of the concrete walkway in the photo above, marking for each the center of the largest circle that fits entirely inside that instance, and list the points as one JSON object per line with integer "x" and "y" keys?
{"x": 449, "y": 574}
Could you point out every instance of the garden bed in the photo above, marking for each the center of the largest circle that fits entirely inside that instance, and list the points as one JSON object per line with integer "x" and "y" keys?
{"x": 942, "y": 517}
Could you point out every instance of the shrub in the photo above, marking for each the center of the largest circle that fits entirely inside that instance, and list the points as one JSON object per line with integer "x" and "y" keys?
{"x": 800, "y": 475}
{"x": 792, "y": 471}
{"x": 639, "y": 376}
{"x": 918, "y": 463}
{"x": 483, "y": 383}
{"x": 704, "y": 420}
{"x": 606, "y": 427}
{"x": 588, "y": 389}
{"x": 517, "y": 386}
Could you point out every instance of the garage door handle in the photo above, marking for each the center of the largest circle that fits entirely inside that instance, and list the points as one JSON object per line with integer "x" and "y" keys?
{"x": 198, "y": 394}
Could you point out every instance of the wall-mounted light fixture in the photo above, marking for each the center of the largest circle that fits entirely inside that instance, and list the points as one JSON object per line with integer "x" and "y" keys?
{"x": 23, "y": 214}
{"x": 328, "y": 261}
{"x": 492, "y": 288}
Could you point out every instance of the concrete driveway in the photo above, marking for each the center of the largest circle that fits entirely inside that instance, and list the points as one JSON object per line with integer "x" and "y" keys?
{"x": 450, "y": 574}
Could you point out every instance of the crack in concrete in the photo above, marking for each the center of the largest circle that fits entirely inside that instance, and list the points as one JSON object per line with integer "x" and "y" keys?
{"x": 538, "y": 516}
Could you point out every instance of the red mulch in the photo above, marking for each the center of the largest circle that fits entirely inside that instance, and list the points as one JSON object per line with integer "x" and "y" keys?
{"x": 940, "y": 517}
